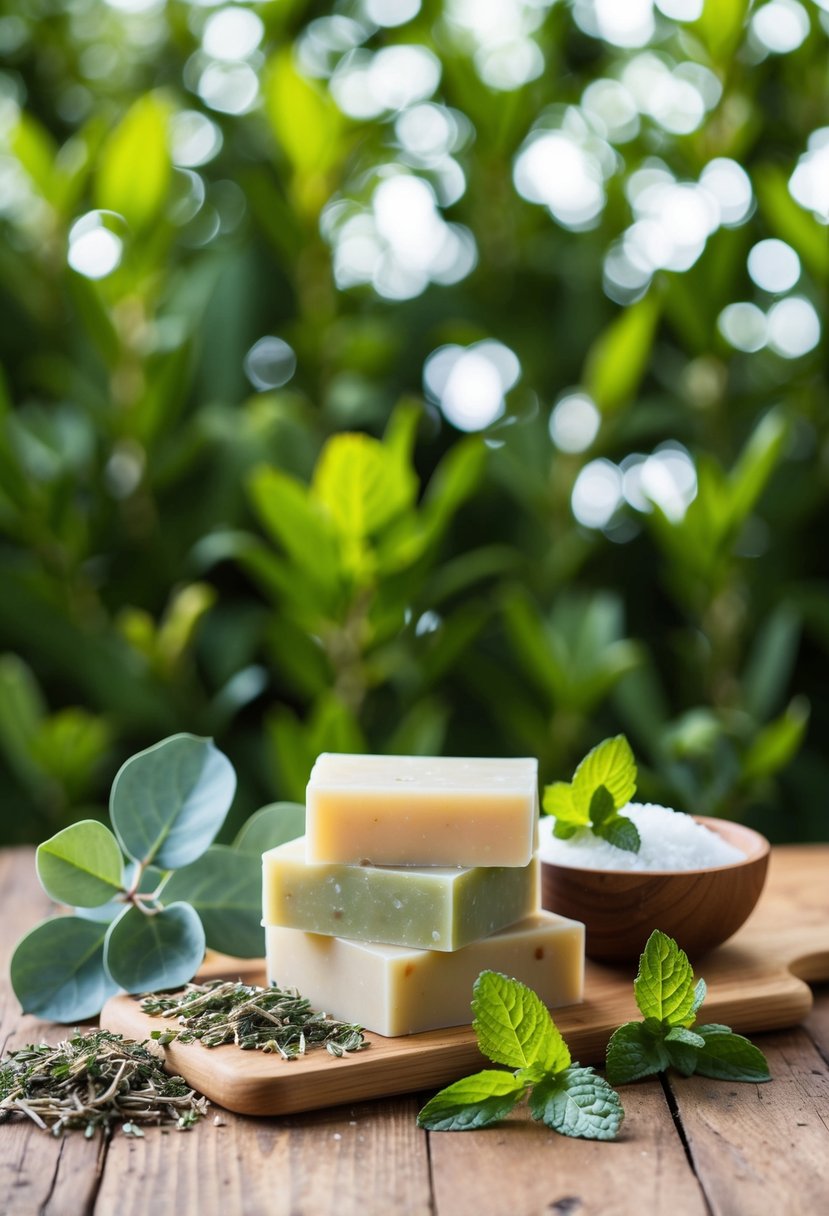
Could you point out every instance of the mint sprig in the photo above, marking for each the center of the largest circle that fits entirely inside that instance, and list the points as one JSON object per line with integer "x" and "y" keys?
{"x": 603, "y": 783}
{"x": 669, "y": 1000}
{"x": 514, "y": 1027}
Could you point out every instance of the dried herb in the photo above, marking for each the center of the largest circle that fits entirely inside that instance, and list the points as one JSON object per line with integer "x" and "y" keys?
{"x": 95, "y": 1080}
{"x": 269, "y": 1019}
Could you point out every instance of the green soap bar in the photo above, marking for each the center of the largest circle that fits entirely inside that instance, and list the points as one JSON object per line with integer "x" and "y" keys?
{"x": 429, "y": 908}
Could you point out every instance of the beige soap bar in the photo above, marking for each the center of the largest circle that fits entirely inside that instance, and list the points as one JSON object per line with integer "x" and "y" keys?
{"x": 421, "y": 811}
{"x": 396, "y": 990}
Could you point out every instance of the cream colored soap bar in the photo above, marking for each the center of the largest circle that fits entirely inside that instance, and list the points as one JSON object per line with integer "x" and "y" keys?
{"x": 421, "y": 811}
{"x": 432, "y": 908}
{"x": 394, "y": 990}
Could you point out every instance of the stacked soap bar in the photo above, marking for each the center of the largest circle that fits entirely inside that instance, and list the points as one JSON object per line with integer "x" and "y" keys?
{"x": 414, "y": 876}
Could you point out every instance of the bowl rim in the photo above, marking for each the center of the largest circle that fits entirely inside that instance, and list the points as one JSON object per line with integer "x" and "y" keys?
{"x": 760, "y": 850}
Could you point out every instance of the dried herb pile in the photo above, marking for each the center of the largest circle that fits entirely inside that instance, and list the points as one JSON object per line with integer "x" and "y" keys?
{"x": 94, "y": 1080}
{"x": 268, "y": 1019}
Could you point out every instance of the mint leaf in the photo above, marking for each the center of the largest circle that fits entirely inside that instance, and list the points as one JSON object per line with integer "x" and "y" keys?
{"x": 683, "y": 1057}
{"x": 611, "y": 764}
{"x": 602, "y": 806}
{"x": 81, "y": 865}
{"x": 682, "y": 1046}
{"x": 633, "y": 1052}
{"x": 579, "y": 1103}
{"x": 558, "y": 801}
{"x": 620, "y": 832}
{"x": 681, "y": 1034}
{"x": 513, "y": 1026}
{"x": 664, "y": 985}
{"x": 730, "y": 1057}
{"x": 700, "y": 993}
{"x": 563, "y": 831}
{"x": 473, "y": 1102}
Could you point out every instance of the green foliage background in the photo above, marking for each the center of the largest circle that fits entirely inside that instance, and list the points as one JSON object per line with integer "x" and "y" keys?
{"x": 331, "y": 564}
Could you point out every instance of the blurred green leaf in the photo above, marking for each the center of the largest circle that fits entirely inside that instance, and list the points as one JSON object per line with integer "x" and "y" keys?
{"x": 618, "y": 358}
{"x": 771, "y": 662}
{"x": 789, "y": 221}
{"x": 295, "y": 521}
{"x": 36, "y": 151}
{"x": 271, "y": 826}
{"x": 22, "y": 712}
{"x": 135, "y": 168}
{"x": 776, "y": 744}
{"x": 721, "y": 26}
{"x": 70, "y": 747}
{"x": 361, "y": 484}
{"x": 756, "y": 464}
{"x": 306, "y": 123}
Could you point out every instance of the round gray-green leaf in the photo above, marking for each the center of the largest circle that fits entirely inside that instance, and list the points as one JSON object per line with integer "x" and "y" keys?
{"x": 225, "y": 888}
{"x": 82, "y": 865}
{"x": 168, "y": 802}
{"x": 143, "y": 953}
{"x": 57, "y": 970}
{"x": 271, "y": 826}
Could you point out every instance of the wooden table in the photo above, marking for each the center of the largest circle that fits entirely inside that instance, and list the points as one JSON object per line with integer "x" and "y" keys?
{"x": 688, "y": 1146}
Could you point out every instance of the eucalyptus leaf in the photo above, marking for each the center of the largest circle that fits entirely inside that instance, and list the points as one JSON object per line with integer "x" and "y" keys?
{"x": 57, "y": 970}
{"x": 271, "y": 826}
{"x": 81, "y": 865}
{"x": 224, "y": 886}
{"x": 145, "y": 952}
{"x": 168, "y": 802}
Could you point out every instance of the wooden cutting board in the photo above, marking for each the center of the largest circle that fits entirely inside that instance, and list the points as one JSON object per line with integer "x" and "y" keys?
{"x": 755, "y": 982}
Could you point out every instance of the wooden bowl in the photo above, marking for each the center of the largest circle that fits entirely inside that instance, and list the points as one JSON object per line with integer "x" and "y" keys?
{"x": 699, "y": 908}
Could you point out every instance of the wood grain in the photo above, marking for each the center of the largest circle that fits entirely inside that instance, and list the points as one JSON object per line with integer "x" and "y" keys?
{"x": 762, "y": 1148}
{"x": 290, "y": 1167}
{"x": 750, "y": 987}
{"x": 473, "y": 1173}
{"x": 37, "y": 1172}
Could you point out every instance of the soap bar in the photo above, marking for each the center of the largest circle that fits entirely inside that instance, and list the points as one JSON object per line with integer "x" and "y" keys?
{"x": 395, "y": 990}
{"x": 421, "y": 811}
{"x": 431, "y": 908}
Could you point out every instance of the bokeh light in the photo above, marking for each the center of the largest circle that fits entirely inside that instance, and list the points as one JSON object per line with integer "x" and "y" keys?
{"x": 743, "y": 326}
{"x": 270, "y": 363}
{"x": 773, "y": 265}
{"x": 793, "y": 327}
{"x": 95, "y": 250}
{"x": 574, "y": 422}
{"x": 469, "y": 383}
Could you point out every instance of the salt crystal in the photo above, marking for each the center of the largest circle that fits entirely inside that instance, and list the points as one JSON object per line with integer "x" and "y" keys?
{"x": 670, "y": 839}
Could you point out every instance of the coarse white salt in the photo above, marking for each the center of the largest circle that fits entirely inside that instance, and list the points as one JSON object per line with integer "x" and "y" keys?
{"x": 670, "y": 839}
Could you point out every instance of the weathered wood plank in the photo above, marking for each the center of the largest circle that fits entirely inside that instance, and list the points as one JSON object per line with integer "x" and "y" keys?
{"x": 523, "y": 1168}
{"x": 363, "y": 1159}
{"x": 37, "y": 1172}
{"x": 817, "y": 1023}
{"x": 762, "y": 1148}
